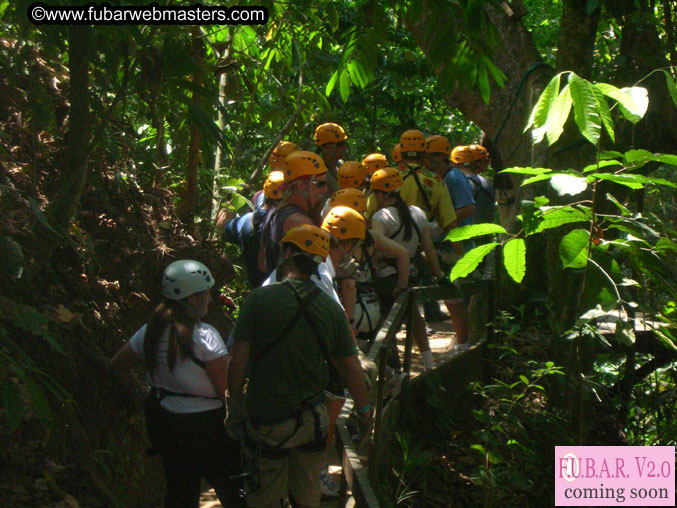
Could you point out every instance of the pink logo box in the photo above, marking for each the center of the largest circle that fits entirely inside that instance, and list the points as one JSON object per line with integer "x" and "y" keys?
{"x": 614, "y": 476}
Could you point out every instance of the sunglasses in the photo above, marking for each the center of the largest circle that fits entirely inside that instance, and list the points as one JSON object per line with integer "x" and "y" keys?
{"x": 320, "y": 183}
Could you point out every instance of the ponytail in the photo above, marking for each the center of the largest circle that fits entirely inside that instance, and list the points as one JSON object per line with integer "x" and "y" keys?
{"x": 405, "y": 216}
{"x": 174, "y": 314}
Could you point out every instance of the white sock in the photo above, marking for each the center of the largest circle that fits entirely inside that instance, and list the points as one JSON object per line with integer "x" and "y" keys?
{"x": 428, "y": 362}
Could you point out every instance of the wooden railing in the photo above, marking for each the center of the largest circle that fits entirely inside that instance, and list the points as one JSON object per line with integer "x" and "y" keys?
{"x": 355, "y": 476}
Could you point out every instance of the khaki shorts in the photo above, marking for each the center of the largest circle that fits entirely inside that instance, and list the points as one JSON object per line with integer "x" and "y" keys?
{"x": 297, "y": 474}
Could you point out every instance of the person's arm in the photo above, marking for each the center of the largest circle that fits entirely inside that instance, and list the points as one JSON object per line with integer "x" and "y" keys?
{"x": 217, "y": 372}
{"x": 350, "y": 370}
{"x": 124, "y": 359}
{"x": 392, "y": 249}
{"x": 237, "y": 371}
{"x": 466, "y": 211}
{"x": 349, "y": 298}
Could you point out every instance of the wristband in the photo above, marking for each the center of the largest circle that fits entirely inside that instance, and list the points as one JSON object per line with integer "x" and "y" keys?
{"x": 357, "y": 349}
{"x": 363, "y": 410}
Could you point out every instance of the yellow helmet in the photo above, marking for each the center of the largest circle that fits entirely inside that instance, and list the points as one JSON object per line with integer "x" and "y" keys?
{"x": 462, "y": 154}
{"x": 437, "y": 144}
{"x": 479, "y": 152}
{"x": 274, "y": 185}
{"x": 386, "y": 180}
{"x": 310, "y": 239}
{"x": 352, "y": 198}
{"x": 351, "y": 174}
{"x": 302, "y": 163}
{"x": 374, "y": 161}
{"x": 412, "y": 141}
{"x": 281, "y": 151}
{"x": 397, "y": 153}
{"x": 329, "y": 133}
{"x": 345, "y": 223}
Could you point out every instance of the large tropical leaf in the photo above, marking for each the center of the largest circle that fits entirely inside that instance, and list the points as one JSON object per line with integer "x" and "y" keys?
{"x": 585, "y": 108}
{"x": 473, "y": 230}
{"x": 573, "y": 249}
{"x": 514, "y": 258}
{"x": 632, "y": 102}
{"x": 470, "y": 261}
{"x": 559, "y": 112}
{"x": 539, "y": 114}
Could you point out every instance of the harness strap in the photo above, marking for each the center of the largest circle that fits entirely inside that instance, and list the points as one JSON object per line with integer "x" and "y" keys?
{"x": 285, "y": 331}
{"x": 412, "y": 172}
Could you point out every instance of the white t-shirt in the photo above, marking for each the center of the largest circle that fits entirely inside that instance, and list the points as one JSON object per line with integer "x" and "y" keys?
{"x": 187, "y": 376}
{"x": 390, "y": 218}
{"x": 325, "y": 281}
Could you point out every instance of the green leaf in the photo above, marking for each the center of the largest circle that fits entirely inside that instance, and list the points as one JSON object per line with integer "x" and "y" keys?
{"x": 524, "y": 379}
{"x": 568, "y": 184}
{"x": 42, "y": 216}
{"x": 585, "y": 108}
{"x": 559, "y": 112}
{"x": 631, "y": 101}
{"x": 573, "y": 249}
{"x": 40, "y": 404}
{"x": 13, "y": 405}
{"x": 638, "y": 157}
{"x": 627, "y": 180}
{"x": 666, "y": 158}
{"x": 539, "y": 114}
{"x": 610, "y": 154}
{"x": 556, "y": 216}
{"x": 537, "y": 178}
{"x": 604, "y": 112}
{"x": 527, "y": 171}
{"x": 344, "y": 85}
{"x": 624, "y": 210}
{"x": 624, "y": 333}
{"x": 483, "y": 82}
{"x": 473, "y": 230}
{"x": 514, "y": 258}
{"x": 470, "y": 260}
{"x": 601, "y": 164}
{"x": 672, "y": 87}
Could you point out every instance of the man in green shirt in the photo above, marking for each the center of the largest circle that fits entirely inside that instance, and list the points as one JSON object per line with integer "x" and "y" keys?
{"x": 284, "y": 337}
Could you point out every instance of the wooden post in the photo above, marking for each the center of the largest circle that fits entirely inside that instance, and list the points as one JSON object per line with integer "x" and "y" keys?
{"x": 409, "y": 341}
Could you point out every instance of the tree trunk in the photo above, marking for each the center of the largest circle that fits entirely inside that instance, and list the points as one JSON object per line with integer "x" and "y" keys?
{"x": 191, "y": 189}
{"x": 74, "y": 176}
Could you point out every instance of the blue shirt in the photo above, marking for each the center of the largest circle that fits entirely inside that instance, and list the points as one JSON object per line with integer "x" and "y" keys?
{"x": 245, "y": 231}
{"x": 460, "y": 191}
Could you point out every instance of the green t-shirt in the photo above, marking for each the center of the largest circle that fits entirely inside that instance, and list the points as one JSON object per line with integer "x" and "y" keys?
{"x": 295, "y": 369}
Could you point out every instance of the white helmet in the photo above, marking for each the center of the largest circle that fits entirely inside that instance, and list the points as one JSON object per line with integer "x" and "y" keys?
{"x": 184, "y": 278}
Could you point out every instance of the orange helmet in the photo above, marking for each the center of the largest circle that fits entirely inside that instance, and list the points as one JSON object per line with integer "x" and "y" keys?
{"x": 310, "y": 239}
{"x": 345, "y": 223}
{"x": 437, "y": 144}
{"x": 351, "y": 174}
{"x": 397, "y": 153}
{"x": 462, "y": 154}
{"x": 353, "y": 198}
{"x": 386, "y": 180}
{"x": 302, "y": 163}
{"x": 282, "y": 149}
{"x": 479, "y": 152}
{"x": 412, "y": 141}
{"x": 374, "y": 161}
{"x": 274, "y": 185}
{"x": 329, "y": 133}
